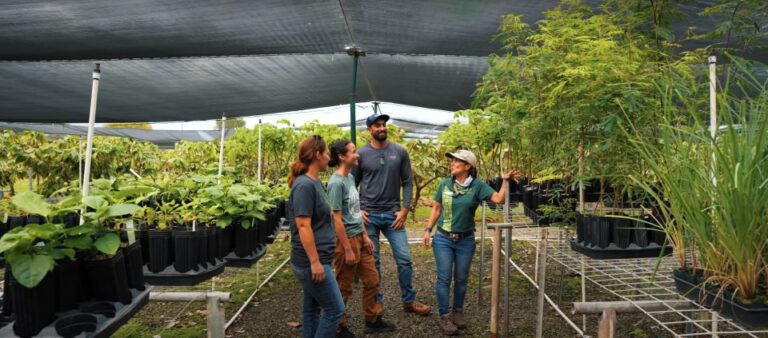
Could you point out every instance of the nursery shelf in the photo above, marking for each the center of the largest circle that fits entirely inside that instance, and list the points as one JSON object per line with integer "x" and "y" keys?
{"x": 247, "y": 261}
{"x": 170, "y": 276}
{"x": 640, "y": 280}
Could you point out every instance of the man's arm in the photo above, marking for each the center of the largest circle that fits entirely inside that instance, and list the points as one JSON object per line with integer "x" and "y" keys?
{"x": 407, "y": 180}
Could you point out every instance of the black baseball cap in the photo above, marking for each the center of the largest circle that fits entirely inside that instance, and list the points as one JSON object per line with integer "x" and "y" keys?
{"x": 373, "y": 118}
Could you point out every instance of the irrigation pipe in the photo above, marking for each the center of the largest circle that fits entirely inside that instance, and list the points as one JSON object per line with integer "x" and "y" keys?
{"x": 245, "y": 305}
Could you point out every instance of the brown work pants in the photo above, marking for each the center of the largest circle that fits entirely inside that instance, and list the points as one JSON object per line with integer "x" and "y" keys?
{"x": 365, "y": 269}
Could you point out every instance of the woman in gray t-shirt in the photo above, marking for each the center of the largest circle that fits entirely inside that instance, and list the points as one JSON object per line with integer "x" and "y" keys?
{"x": 313, "y": 240}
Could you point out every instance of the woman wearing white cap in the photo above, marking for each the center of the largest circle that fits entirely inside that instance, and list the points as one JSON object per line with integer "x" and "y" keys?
{"x": 453, "y": 211}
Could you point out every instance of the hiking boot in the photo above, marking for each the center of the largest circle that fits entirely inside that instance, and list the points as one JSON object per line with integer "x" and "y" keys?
{"x": 446, "y": 325}
{"x": 457, "y": 317}
{"x": 379, "y": 326}
{"x": 418, "y": 308}
{"x": 345, "y": 333}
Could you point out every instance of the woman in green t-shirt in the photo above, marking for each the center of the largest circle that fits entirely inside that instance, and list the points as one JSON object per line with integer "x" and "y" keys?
{"x": 453, "y": 211}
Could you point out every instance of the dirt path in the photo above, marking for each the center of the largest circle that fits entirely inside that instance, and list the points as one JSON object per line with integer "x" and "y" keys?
{"x": 280, "y": 303}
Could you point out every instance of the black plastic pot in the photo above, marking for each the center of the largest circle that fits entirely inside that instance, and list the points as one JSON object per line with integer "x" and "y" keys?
{"x": 184, "y": 256}
{"x": 600, "y": 230}
{"x": 33, "y": 307}
{"x": 622, "y": 232}
{"x": 212, "y": 243}
{"x": 640, "y": 234}
{"x": 690, "y": 285}
{"x": 580, "y": 228}
{"x": 3, "y": 228}
{"x": 8, "y": 293}
{"x": 134, "y": 266}
{"x": 16, "y": 221}
{"x": 108, "y": 279}
{"x": 658, "y": 236}
{"x": 159, "y": 249}
{"x": 142, "y": 237}
{"x": 200, "y": 247}
{"x": 34, "y": 219}
{"x": 225, "y": 241}
{"x": 243, "y": 240}
{"x": 68, "y": 284}
{"x": 76, "y": 324}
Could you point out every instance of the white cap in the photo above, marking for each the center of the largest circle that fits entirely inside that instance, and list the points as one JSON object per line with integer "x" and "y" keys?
{"x": 464, "y": 155}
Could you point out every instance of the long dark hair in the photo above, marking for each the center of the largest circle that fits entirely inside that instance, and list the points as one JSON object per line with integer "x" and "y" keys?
{"x": 307, "y": 151}
{"x": 338, "y": 148}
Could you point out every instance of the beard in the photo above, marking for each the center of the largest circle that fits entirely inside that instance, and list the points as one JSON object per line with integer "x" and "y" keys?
{"x": 380, "y": 136}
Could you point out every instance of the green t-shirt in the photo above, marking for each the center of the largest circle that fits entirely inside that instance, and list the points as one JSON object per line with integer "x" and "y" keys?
{"x": 458, "y": 211}
{"x": 344, "y": 198}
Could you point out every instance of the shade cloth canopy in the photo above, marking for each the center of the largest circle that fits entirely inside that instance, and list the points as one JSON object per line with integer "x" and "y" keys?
{"x": 167, "y": 60}
{"x": 160, "y": 137}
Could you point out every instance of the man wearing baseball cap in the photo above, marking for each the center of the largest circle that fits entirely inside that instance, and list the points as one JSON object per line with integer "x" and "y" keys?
{"x": 384, "y": 170}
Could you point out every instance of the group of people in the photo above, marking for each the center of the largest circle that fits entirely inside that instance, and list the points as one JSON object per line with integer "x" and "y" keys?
{"x": 335, "y": 230}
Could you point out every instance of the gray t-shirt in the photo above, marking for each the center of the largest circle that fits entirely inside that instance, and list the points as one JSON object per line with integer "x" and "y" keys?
{"x": 344, "y": 198}
{"x": 381, "y": 174}
{"x": 308, "y": 198}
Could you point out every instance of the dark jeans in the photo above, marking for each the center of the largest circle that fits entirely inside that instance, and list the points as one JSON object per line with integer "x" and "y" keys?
{"x": 453, "y": 259}
{"x": 381, "y": 222}
{"x": 323, "y": 296}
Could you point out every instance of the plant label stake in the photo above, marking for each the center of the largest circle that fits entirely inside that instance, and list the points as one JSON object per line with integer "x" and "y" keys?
{"x": 131, "y": 231}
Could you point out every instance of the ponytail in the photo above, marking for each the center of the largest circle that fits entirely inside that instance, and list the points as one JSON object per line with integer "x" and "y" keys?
{"x": 307, "y": 150}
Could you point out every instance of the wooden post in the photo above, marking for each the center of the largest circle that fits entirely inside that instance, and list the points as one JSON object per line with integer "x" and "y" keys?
{"x": 495, "y": 266}
{"x": 607, "y": 326}
{"x": 482, "y": 254}
{"x": 215, "y": 317}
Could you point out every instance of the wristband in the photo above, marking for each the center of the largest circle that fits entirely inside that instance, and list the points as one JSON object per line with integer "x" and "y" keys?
{"x": 428, "y": 229}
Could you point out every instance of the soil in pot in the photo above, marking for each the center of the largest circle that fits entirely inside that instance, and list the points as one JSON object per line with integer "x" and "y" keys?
{"x": 108, "y": 279}
{"x": 33, "y": 306}
{"x": 68, "y": 284}
{"x": 183, "y": 245}
{"x": 622, "y": 232}
{"x": 134, "y": 266}
{"x": 159, "y": 249}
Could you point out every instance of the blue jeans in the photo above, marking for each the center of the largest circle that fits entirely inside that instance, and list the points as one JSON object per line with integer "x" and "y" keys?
{"x": 323, "y": 296}
{"x": 381, "y": 222}
{"x": 453, "y": 258}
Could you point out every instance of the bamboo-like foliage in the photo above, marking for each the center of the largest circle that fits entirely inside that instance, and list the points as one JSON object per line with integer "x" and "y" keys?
{"x": 714, "y": 191}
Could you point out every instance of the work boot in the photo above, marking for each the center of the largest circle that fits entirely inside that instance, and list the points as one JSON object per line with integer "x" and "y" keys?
{"x": 379, "y": 326}
{"x": 418, "y": 308}
{"x": 457, "y": 317}
{"x": 446, "y": 325}
{"x": 345, "y": 333}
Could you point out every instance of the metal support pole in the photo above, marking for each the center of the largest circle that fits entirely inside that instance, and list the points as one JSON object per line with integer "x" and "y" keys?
{"x": 221, "y": 144}
{"x": 583, "y": 295}
{"x": 715, "y": 319}
{"x": 482, "y": 254}
{"x": 80, "y": 164}
{"x": 508, "y": 252}
{"x": 215, "y": 317}
{"x": 258, "y": 173}
{"x": 542, "y": 281}
{"x": 352, "y": 101}
{"x": 607, "y": 326}
{"x": 91, "y": 122}
{"x": 495, "y": 266}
